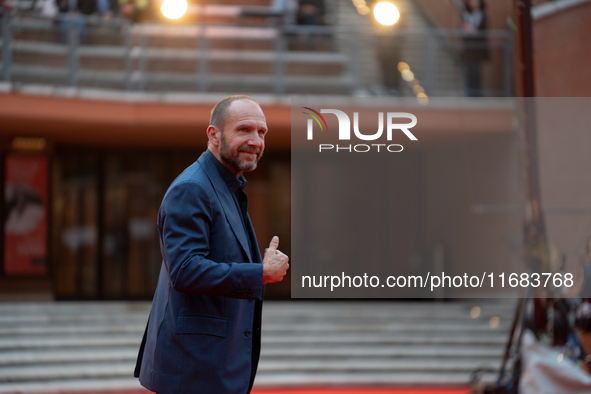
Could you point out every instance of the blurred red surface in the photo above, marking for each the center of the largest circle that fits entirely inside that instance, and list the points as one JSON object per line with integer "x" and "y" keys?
{"x": 332, "y": 390}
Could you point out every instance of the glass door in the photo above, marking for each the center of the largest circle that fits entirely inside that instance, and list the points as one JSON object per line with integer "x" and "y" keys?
{"x": 134, "y": 187}
{"x": 75, "y": 226}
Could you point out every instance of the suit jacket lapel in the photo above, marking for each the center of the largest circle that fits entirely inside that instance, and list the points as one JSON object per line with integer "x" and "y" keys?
{"x": 253, "y": 241}
{"x": 227, "y": 201}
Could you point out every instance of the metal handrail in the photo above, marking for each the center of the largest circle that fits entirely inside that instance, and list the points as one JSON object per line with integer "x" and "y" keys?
{"x": 135, "y": 51}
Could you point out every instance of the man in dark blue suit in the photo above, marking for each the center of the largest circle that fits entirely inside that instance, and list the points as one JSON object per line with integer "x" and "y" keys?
{"x": 203, "y": 333}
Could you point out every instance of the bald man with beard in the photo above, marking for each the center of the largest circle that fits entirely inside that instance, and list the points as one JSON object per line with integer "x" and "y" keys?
{"x": 204, "y": 330}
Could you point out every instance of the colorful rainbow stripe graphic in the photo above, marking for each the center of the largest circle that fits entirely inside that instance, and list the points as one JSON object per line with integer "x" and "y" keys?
{"x": 316, "y": 118}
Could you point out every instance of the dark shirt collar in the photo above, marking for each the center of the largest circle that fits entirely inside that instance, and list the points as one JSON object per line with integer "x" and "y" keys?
{"x": 230, "y": 179}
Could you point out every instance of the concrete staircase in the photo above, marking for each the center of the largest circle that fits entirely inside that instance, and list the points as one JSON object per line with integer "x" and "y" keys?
{"x": 427, "y": 54}
{"x": 61, "y": 346}
{"x": 229, "y": 50}
{"x": 234, "y": 53}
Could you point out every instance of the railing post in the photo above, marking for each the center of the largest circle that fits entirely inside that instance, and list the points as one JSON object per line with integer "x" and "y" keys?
{"x": 143, "y": 66}
{"x": 431, "y": 66}
{"x": 6, "y": 45}
{"x": 280, "y": 62}
{"x": 128, "y": 58}
{"x": 73, "y": 43}
{"x": 203, "y": 56}
{"x": 508, "y": 62}
{"x": 354, "y": 59}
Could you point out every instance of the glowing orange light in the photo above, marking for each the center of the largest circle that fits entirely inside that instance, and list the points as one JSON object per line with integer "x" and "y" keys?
{"x": 386, "y": 13}
{"x": 174, "y": 9}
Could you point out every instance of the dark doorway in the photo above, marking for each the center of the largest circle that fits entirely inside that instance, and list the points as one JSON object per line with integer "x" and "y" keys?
{"x": 104, "y": 209}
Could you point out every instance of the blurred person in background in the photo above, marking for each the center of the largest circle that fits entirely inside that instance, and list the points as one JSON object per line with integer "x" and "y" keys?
{"x": 388, "y": 46}
{"x": 311, "y": 12}
{"x": 4, "y": 8}
{"x": 586, "y": 288}
{"x": 107, "y": 8}
{"x": 74, "y": 13}
{"x": 134, "y": 10}
{"x": 475, "y": 48}
{"x": 583, "y": 325}
{"x": 291, "y": 12}
{"x": 69, "y": 17}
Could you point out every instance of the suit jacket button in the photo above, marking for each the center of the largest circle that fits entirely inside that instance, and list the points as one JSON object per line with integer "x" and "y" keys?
{"x": 247, "y": 333}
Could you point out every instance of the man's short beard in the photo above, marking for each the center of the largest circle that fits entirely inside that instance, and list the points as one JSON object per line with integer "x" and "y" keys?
{"x": 233, "y": 160}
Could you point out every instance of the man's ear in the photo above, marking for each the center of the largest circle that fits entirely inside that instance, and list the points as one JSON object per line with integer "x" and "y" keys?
{"x": 213, "y": 135}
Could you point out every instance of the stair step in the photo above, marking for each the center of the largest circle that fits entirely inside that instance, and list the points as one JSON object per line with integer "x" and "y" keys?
{"x": 70, "y": 385}
{"x": 113, "y": 368}
{"x": 129, "y": 353}
{"x": 66, "y": 371}
{"x": 131, "y": 340}
{"x": 56, "y": 347}
{"x": 380, "y": 365}
{"x": 49, "y": 356}
{"x": 270, "y": 329}
{"x": 370, "y": 379}
{"x": 184, "y": 81}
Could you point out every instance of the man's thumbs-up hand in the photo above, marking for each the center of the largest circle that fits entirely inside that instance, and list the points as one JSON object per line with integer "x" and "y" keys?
{"x": 274, "y": 263}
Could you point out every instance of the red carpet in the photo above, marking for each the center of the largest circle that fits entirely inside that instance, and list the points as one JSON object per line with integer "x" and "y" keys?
{"x": 366, "y": 390}
{"x": 333, "y": 390}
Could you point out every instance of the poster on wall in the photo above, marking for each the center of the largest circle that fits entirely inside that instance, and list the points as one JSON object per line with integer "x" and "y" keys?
{"x": 25, "y": 215}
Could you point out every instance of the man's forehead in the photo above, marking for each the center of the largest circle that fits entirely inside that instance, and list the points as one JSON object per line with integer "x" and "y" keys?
{"x": 245, "y": 109}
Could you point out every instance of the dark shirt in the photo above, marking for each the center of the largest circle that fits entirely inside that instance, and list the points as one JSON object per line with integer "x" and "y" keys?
{"x": 236, "y": 187}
